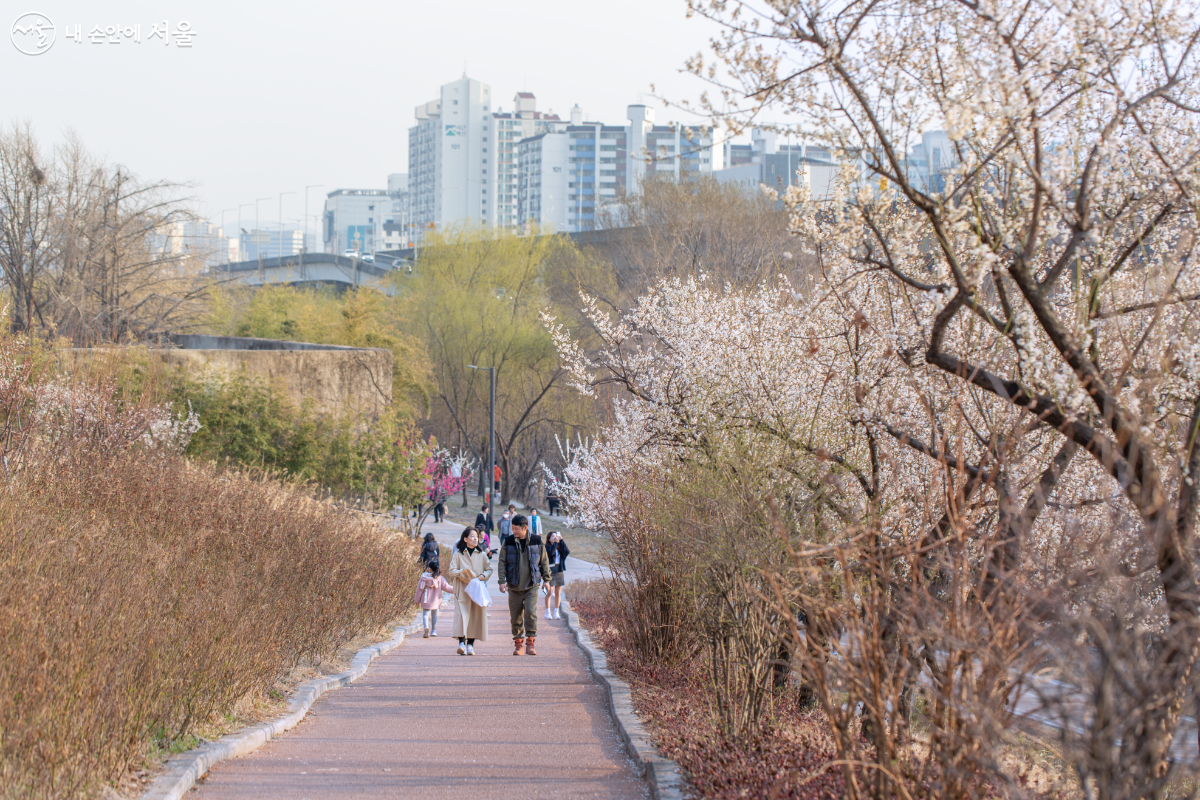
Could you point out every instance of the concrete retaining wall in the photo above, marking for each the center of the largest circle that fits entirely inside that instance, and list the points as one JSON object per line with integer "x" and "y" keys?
{"x": 334, "y": 378}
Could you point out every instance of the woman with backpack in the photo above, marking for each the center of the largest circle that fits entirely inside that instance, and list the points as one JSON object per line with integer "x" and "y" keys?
{"x": 557, "y": 552}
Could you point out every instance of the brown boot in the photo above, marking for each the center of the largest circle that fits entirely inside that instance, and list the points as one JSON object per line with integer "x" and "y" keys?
{"x": 518, "y": 646}
{"x": 529, "y": 651}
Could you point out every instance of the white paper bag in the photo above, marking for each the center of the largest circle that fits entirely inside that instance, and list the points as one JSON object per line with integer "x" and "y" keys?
{"x": 478, "y": 592}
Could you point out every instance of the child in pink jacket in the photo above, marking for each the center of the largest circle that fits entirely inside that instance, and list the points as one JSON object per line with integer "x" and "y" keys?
{"x": 429, "y": 596}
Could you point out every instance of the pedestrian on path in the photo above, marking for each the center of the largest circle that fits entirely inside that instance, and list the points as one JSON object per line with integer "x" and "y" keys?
{"x": 505, "y": 524}
{"x": 470, "y": 620}
{"x": 535, "y": 522}
{"x": 429, "y": 594}
{"x": 483, "y": 520}
{"x": 522, "y": 562}
{"x": 557, "y": 552}
{"x": 439, "y": 511}
{"x": 429, "y": 550}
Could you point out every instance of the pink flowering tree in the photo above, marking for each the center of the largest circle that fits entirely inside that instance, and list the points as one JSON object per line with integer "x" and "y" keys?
{"x": 445, "y": 474}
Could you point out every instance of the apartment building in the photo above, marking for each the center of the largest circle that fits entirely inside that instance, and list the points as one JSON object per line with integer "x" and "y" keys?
{"x": 452, "y": 157}
{"x": 601, "y": 163}
{"x": 510, "y": 127}
{"x": 468, "y": 161}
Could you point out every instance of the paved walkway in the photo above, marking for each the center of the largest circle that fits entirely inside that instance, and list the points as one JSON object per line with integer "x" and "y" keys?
{"x": 427, "y": 723}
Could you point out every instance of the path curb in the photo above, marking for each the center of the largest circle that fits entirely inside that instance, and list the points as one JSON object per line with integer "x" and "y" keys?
{"x": 664, "y": 775}
{"x": 182, "y": 771}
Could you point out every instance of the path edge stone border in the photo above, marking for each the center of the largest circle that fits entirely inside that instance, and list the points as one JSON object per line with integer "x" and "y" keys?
{"x": 182, "y": 771}
{"x": 665, "y": 777}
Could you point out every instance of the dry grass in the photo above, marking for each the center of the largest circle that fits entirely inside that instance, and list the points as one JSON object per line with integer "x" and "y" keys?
{"x": 146, "y": 601}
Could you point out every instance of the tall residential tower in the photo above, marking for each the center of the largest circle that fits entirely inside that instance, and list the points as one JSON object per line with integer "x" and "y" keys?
{"x": 452, "y": 157}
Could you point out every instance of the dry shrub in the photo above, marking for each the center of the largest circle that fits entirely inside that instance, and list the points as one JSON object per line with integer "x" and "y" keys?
{"x": 789, "y": 755}
{"x": 655, "y": 578}
{"x": 140, "y": 594}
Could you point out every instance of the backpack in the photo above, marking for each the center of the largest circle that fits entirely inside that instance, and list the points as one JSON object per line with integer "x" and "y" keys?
{"x": 419, "y": 597}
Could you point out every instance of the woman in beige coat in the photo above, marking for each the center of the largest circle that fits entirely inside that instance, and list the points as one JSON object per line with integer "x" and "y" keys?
{"x": 469, "y": 561}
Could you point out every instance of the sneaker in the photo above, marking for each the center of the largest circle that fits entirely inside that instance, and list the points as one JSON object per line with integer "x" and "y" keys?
{"x": 426, "y": 636}
{"x": 433, "y": 633}
{"x": 557, "y": 615}
{"x": 470, "y": 649}
{"x": 548, "y": 614}
{"x": 462, "y": 648}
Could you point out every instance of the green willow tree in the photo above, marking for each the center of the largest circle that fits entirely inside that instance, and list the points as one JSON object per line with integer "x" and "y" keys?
{"x": 476, "y": 295}
{"x": 362, "y": 317}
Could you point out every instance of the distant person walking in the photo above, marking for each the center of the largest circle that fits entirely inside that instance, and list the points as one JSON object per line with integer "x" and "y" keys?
{"x": 556, "y": 552}
{"x": 552, "y": 499}
{"x": 439, "y": 511}
{"x": 523, "y": 565}
{"x": 505, "y": 524}
{"x": 470, "y": 620}
{"x": 483, "y": 520}
{"x": 429, "y": 550}
{"x": 496, "y": 473}
{"x": 535, "y": 522}
{"x": 429, "y": 596}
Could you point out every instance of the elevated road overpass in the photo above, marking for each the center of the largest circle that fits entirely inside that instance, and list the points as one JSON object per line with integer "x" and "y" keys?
{"x": 315, "y": 269}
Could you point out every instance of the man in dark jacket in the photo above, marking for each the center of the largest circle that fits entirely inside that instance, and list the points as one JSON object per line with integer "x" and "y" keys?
{"x": 522, "y": 561}
{"x": 483, "y": 521}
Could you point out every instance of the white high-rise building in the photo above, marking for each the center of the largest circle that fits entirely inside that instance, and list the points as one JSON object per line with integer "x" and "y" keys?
{"x": 522, "y": 122}
{"x": 544, "y": 174}
{"x": 452, "y": 157}
{"x": 603, "y": 163}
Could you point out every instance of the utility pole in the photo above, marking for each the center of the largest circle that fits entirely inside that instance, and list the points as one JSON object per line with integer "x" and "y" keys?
{"x": 491, "y": 473}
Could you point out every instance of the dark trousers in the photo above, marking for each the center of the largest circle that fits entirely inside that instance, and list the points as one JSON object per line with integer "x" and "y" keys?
{"x": 522, "y": 611}
{"x": 438, "y": 511}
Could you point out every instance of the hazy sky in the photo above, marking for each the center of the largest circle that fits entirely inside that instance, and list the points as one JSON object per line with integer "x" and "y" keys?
{"x": 275, "y": 96}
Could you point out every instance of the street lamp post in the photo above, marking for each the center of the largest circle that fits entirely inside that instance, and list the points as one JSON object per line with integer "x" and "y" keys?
{"x": 241, "y": 230}
{"x": 257, "y": 243}
{"x": 304, "y": 246}
{"x": 491, "y": 473}
{"x": 281, "y": 194}
{"x": 223, "y": 212}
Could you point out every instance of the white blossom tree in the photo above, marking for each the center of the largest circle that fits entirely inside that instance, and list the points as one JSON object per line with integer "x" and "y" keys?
{"x": 1008, "y": 352}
